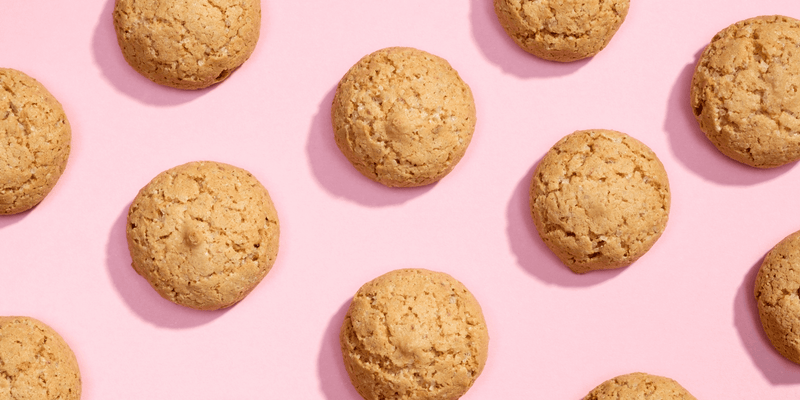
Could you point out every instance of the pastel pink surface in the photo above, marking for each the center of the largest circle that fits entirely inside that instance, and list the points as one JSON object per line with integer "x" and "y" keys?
{"x": 684, "y": 310}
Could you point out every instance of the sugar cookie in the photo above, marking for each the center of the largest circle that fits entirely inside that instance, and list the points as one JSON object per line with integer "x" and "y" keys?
{"x": 403, "y": 117}
{"x": 639, "y": 385}
{"x": 203, "y": 234}
{"x": 414, "y": 334}
{"x": 187, "y": 44}
{"x": 35, "y": 362}
{"x": 561, "y": 30}
{"x": 34, "y": 141}
{"x": 599, "y": 199}
{"x": 744, "y": 92}
{"x": 777, "y": 295}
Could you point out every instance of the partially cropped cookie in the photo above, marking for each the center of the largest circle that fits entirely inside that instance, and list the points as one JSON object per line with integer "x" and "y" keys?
{"x": 777, "y": 293}
{"x": 639, "y": 385}
{"x": 35, "y": 362}
{"x": 34, "y": 141}
{"x": 745, "y": 91}
{"x": 414, "y": 334}
{"x": 187, "y": 44}
{"x": 599, "y": 199}
{"x": 403, "y": 117}
{"x": 203, "y": 234}
{"x": 561, "y": 30}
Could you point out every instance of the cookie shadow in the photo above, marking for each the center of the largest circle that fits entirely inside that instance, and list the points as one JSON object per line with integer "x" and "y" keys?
{"x": 8, "y": 220}
{"x": 531, "y": 252}
{"x": 499, "y": 49}
{"x": 335, "y": 173}
{"x": 775, "y": 368}
{"x": 137, "y": 292}
{"x": 333, "y": 378}
{"x": 123, "y": 77}
{"x": 695, "y": 151}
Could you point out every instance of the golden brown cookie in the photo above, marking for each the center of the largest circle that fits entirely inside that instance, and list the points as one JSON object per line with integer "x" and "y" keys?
{"x": 34, "y": 141}
{"x": 745, "y": 91}
{"x": 777, "y": 293}
{"x": 414, "y": 334}
{"x": 599, "y": 199}
{"x": 35, "y": 362}
{"x": 187, "y": 44}
{"x": 203, "y": 234}
{"x": 403, "y": 117}
{"x": 639, "y": 385}
{"x": 561, "y": 30}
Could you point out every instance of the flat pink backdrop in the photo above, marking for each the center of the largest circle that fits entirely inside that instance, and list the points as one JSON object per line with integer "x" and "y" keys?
{"x": 684, "y": 310}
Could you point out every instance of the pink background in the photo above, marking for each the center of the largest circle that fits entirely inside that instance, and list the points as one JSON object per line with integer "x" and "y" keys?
{"x": 684, "y": 310}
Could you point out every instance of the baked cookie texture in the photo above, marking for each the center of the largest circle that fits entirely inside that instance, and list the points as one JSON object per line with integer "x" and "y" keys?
{"x": 561, "y": 30}
{"x": 639, "y": 385}
{"x": 599, "y": 199}
{"x": 203, "y": 234}
{"x": 35, "y": 140}
{"x": 35, "y": 362}
{"x": 777, "y": 293}
{"x": 403, "y": 117}
{"x": 744, "y": 91}
{"x": 414, "y": 334}
{"x": 187, "y": 44}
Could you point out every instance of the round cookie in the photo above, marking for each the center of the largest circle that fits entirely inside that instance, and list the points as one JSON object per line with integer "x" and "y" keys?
{"x": 187, "y": 44}
{"x": 744, "y": 92}
{"x": 639, "y": 385}
{"x": 34, "y": 141}
{"x": 35, "y": 362}
{"x": 561, "y": 30}
{"x": 414, "y": 334}
{"x": 599, "y": 199}
{"x": 777, "y": 293}
{"x": 403, "y": 117}
{"x": 203, "y": 234}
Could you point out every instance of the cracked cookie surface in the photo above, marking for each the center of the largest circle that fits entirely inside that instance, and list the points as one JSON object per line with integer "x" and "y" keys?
{"x": 777, "y": 293}
{"x": 599, "y": 199}
{"x": 204, "y": 234}
{"x": 561, "y": 30}
{"x": 34, "y": 141}
{"x": 35, "y": 362}
{"x": 403, "y": 117}
{"x": 187, "y": 44}
{"x": 414, "y": 334}
{"x": 639, "y": 385}
{"x": 744, "y": 91}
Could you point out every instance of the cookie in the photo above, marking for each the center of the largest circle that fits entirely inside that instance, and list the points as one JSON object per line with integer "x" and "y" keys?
{"x": 561, "y": 30}
{"x": 34, "y": 141}
{"x": 187, "y": 44}
{"x": 744, "y": 91}
{"x": 639, "y": 385}
{"x": 777, "y": 293}
{"x": 403, "y": 117}
{"x": 35, "y": 362}
{"x": 599, "y": 199}
{"x": 203, "y": 234}
{"x": 414, "y": 334}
